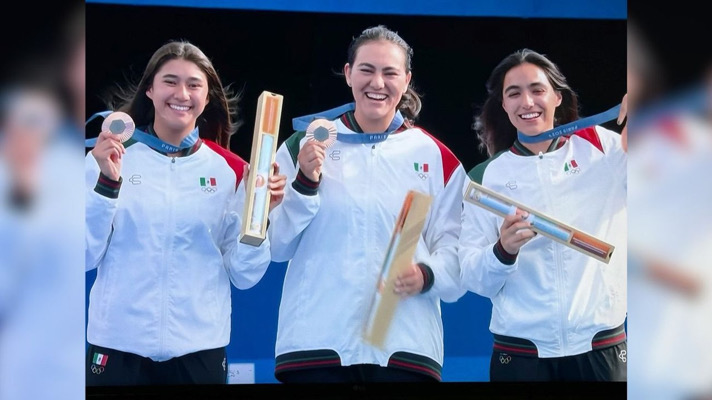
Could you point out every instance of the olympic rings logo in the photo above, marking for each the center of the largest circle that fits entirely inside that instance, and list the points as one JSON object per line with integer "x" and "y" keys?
{"x": 97, "y": 369}
{"x": 505, "y": 358}
{"x": 210, "y": 189}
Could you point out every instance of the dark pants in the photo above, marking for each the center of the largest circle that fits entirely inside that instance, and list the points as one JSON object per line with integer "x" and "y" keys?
{"x": 120, "y": 368}
{"x": 608, "y": 364}
{"x": 360, "y": 373}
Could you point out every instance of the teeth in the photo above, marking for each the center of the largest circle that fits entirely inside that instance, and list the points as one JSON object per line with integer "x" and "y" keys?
{"x": 530, "y": 115}
{"x": 376, "y": 96}
{"x": 180, "y": 108}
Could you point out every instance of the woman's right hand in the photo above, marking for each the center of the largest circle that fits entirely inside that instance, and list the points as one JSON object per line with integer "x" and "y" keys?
{"x": 515, "y": 232}
{"x": 108, "y": 153}
{"x": 311, "y": 159}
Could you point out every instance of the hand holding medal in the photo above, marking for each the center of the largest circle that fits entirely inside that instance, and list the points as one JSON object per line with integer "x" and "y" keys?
{"x": 116, "y": 129}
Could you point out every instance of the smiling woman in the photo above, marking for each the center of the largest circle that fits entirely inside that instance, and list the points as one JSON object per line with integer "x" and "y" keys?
{"x": 159, "y": 310}
{"x": 334, "y": 225}
{"x": 557, "y": 314}
{"x": 180, "y": 94}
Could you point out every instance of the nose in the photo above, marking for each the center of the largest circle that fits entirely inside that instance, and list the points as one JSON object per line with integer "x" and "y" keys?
{"x": 377, "y": 81}
{"x": 527, "y": 100}
{"x": 181, "y": 92}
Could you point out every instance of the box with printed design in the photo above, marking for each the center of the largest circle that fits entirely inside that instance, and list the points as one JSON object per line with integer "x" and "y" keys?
{"x": 262, "y": 156}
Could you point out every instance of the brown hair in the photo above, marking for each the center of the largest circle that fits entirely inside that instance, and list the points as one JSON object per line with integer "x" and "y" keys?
{"x": 410, "y": 103}
{"x": 492, "y": 125}
{"x": 218, "y": 120}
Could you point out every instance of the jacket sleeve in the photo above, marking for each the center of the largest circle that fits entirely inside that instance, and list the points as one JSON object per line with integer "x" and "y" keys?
{"x": 483, "y": 270}
{"x": 441, "y": 235}
{"x": 246, "y": 264}
{"x": 616, "y": 157}
{"x": 101, "y": 206}
{"x": 289, "y": 219}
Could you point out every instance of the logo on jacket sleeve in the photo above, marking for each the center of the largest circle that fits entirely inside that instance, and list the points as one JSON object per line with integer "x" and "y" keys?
{"x": 571, "y": 167}
{"x": 208, "y": 185}
{"x": 422, "y": 170}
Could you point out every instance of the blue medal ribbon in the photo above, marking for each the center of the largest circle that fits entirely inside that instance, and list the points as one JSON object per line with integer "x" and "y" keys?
{"x": 571, "y": 127}
{"x": 301, "y": 124}
{"x": 150, "y": 140}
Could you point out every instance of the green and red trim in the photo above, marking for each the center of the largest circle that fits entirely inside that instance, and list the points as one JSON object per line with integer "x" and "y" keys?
{"x": 609, "y": 338}
{"x": 304, "y": 185}
{"x": 301, "y": 360}
{"x": 428, "y": 277}
{"x": 416, "y": 363}
{"x": 349, "y": 120}
{"x": 108, "y": 187}
{"x": 503, "y": 255}
{"x": 513, "y": 345}
{"x": 308, "y": 359}
{"x": 519, "y": 149}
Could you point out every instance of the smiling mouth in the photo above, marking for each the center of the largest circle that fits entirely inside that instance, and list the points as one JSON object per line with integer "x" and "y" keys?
{"x": 529, "y": 116}
{"x": 376, "y": 96}
{"x": 179, "y": 108}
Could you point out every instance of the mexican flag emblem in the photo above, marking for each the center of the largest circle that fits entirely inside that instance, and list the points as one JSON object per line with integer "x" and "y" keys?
{"x": 207, "y": 182}
{"x": 100, "y": 359}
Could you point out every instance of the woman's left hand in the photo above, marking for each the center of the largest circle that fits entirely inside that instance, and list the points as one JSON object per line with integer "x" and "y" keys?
{"x": 276, "y": 187}
{"x": 410, "y": 282}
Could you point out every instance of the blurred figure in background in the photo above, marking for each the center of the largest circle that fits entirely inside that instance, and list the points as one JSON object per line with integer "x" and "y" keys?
{"x": 41, "y": 209}
{"x": 670, "y": 231}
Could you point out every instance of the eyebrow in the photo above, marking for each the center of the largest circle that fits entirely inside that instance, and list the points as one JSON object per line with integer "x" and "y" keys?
{"x": 191, "y": 78}
{"x": 517, "y": 87}
{"x": 388, "y": 68}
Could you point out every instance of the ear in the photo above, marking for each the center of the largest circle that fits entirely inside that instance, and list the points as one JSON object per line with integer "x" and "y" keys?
{"x": 559, "y": 97}
{"x": 347, "y": 74}
{"x": 149, "y": 92}
{"x": 408, "y": 77}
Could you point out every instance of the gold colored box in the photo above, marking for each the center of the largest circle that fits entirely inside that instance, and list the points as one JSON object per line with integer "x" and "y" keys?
{"x": 264, "y": 149}
{"x": 544, "y": 224}
{"x": 404, "y": 239}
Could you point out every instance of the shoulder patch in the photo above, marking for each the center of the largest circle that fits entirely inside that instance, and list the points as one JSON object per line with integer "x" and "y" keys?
{"x": 589, "y": 134}
{"x": 130, "y": 142}
{"x": 292, "y": 144}
{"x": 233, "y": 160}
{"x": 478, "y": 171}
{"x": 450, "y": 161}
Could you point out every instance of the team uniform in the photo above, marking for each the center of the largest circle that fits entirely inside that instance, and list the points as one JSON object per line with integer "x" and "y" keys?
{"x": 551, "y": 301}
{"x": 166, "y": 249}
{"x": 335, "y": 234}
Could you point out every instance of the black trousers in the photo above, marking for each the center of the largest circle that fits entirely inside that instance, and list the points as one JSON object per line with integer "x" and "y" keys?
{"x": 607, "y": 364}
{"x": 359, "y": 373}
{"x": 108, "y": 367}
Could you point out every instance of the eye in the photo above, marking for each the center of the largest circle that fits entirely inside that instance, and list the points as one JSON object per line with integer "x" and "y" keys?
{"x": 366, "y": 70}
{"x": 512, "y": 94}
{"x": 169, "y": 82}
